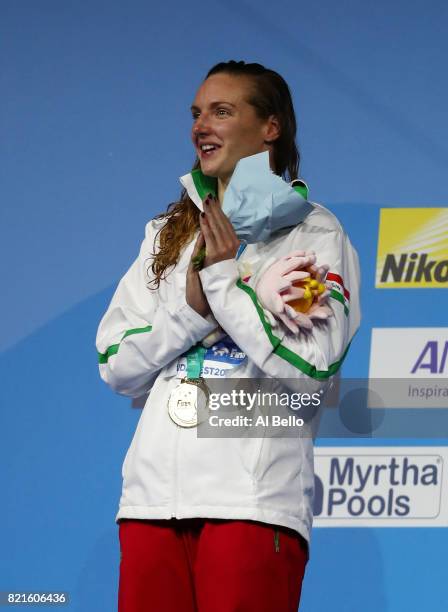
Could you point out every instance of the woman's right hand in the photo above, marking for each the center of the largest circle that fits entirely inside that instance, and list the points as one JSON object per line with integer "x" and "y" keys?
{"x": 195, "y": 295}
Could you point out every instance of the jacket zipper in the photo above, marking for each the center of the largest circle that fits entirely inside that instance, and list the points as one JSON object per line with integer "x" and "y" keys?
{"x": 175, "y": 475}
{"x": 277, "y": 540}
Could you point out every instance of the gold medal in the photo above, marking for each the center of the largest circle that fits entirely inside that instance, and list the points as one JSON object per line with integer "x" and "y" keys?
{"x": 187, "y": 400}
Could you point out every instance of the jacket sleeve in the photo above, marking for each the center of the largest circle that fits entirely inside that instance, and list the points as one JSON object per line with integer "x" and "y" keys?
{"x": 317, "y": 354}
{"x": 138, "y": 335}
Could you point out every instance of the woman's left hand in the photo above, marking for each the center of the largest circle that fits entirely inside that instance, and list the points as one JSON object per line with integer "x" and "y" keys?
{"x": 194, "y": 293}
{"x": 220, "y": 239}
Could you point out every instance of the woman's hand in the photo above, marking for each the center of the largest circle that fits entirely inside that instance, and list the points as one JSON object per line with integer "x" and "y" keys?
{"x": 194, "y": 293}
{"x": 220, "y": 238}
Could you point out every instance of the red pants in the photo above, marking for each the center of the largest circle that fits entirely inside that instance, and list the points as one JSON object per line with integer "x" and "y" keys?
{"x": 209, "y": 565}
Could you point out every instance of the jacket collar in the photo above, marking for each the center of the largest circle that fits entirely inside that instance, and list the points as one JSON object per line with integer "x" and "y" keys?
{"x": 199, "y": 185}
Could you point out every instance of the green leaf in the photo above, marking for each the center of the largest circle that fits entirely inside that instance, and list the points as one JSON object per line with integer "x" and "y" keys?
{"x": 198, "y": 260}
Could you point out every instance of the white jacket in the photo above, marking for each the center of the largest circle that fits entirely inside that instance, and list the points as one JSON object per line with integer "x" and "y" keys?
{"x": 168, "y": 470}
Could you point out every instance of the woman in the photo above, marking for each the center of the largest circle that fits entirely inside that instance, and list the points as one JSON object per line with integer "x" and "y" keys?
{"x": 220, "y": 524}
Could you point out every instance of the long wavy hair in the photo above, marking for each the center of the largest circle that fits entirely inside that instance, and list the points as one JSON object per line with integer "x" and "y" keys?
{"x": 270, "y": 95}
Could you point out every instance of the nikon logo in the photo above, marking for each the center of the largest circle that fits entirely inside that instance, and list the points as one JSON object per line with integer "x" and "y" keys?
{"x": 414, "y": 268}
{"x": 412, "y": 248}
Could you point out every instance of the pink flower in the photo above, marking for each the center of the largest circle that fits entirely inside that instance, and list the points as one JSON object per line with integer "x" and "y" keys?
{"x": 293, "y": 289}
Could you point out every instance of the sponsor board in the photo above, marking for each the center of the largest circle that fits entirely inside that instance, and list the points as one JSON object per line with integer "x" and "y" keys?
{"x": 417, "y": 357}
{"x": 412, "y": 248}
{"x": 381, "y": 487}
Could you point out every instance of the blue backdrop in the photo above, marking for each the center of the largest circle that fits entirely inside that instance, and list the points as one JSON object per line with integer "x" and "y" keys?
{"x": 95, "y": 133}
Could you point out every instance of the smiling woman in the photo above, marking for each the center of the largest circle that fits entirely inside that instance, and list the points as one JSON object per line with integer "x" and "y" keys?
{"x": 236, "y": 105}
{"x": 206, "y": 523}
{"x": 227, "y": 127}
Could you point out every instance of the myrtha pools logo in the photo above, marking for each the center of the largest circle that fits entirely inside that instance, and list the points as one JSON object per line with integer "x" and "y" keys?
{"x": 373, "y": 486}
{"x": 412, "y": 248}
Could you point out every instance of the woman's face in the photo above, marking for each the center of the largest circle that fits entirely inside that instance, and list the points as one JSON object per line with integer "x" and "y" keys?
{"x": 225, "y": 126}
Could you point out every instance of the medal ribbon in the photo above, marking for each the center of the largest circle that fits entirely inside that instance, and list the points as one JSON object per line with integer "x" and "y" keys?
{"x": 195, "y": 361}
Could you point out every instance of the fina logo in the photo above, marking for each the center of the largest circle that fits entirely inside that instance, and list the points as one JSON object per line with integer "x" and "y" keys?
{"x": 376, "y": 487}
